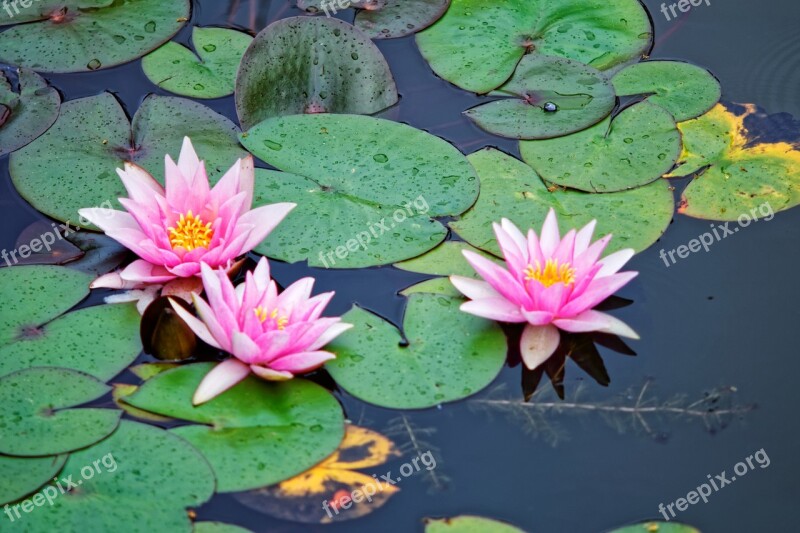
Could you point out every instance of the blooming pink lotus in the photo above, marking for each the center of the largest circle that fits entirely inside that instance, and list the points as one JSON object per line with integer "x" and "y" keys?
{"x": 551, "y": 283}
{"x": 174, "y": 229}
{"x": 272, "y": 335}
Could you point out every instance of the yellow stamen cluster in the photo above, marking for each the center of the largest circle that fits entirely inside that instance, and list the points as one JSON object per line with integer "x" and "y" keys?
{"x": 190, "y": 232}
{"x": 552, "y": 273}
{"x": 262, "y": 315}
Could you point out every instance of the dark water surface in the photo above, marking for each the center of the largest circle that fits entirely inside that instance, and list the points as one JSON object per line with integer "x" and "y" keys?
{"x": 723, "y": 318}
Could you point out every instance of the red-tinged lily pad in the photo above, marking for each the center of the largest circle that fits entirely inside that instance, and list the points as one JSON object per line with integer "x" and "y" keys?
{"x": 298, "y": 499}
{"x": 312, "y": 65}
{"x": 84, "y": 35}
{"x": 548, "y": 97}
{"x": 737, "y": 176}
{"x": 398, "y": 18}
{"x": 685, "y": 90}
{"x": 23, "y": 475}
{"x": 658, "y": 527}
{"x": 141, "y": 477}
{"x": 256, "y": 433}
{"x": 28, "y": 113}
{"x": 468, "y": 524}
{"x": 512, "y": 189}
{"x": 43, "y": 243}
{"x": 36, "y": 419}
{"x": 477, "y": 44}
{"x": 442, "y": 355}
{"x": 73, "y": 165}
{"x": 209, "y": 74}
{"x": 636, "y": 147}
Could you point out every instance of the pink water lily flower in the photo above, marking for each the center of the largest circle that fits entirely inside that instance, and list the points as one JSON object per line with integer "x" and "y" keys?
{"x": 174, "y": 229}
{"x": 275, "y": 336}
{"x": 550, "y": 282}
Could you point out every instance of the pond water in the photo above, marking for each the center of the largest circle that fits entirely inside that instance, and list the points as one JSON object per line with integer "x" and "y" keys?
{"x": 715, "y": 321}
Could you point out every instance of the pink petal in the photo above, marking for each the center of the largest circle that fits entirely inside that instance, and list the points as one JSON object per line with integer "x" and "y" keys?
{"x": 516, "y": 257}
{"x": 474, "y": 289}
{"x": 269, "y": 374}
{"x": 185, "y": 270}
{"x": 244, "y": 348}
{"x": 613, "y": 262}
{"x": 109, "y": 219}
{"x": 140, "y": 271}
{"x": 587, "y": 259}
{"x": 199, "y": 328}
{"x": 516, "y": 235}
{"x": 537, "y": 344}
{"x": 141, "y": 186}
{"x": 596, "y": 292}
{"x": 596, "y": 321}
{"x": 330, "y": 334}
{"x": 584, "y": 237}
{"x": 221, "y": 378}
{"x": 566, "y": 248}
{"x": 213, "y": 324}
{"x": 177, "y": 186}
{"x": 263, "y": 220}
{"x": 534, "y": 249}
{"x": 294, "y": 295}
{"x": 302, "y": 362}
{"x": 499, "y": 278}
{"x": 537, "y": 318}
{"x": 188, "y": 162}
{"x": 494, "y": 309}
{"x": 550, "y": 236}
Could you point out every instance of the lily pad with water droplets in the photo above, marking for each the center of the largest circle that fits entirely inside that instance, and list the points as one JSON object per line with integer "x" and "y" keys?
{"x": 442, "y": 355}
{"x": 209, "y": 74}
{"x": 477, "y": 44}
{"x": 685, "y": 90}
{"x": 447, "y": 259}
{"x": 634, "y": 148}
{"x": 312, "y": 65}
{"x": 141, "y": 476}
{"x": 36, "y": 419}
{"x": 659, "y": 527}
{"x": 100, "y": 340}
{"x": 512, "y": 189}
{"x": 23, "y": 475}
{"x": 218, "y": 527}
{"x": 73, "y": 164}
{"x": 548, "y": 97}
{"x": 468, "y": 524}
{"x": 357, "y": 179}
{"x": 256, "y": 433}
{"x": 83, "y": 35}
{"x": 398, "y": 18}
{"x": 737, "y": 176}
{"x": 29, "y": 112}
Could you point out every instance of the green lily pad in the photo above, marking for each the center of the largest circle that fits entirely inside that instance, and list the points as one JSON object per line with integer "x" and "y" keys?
{"x": 35, "y": 419}
{"x": 209, "y": 74}
{"x": 73, "y": 164}
{"x": 685, "y": 90}
{"x": 100, "y": 340}
{"x": 447, "y": 259}
{"x": 468, "y": 524}
{"x": 477, "y": 44}
{"x": 357, "y": 179}
{"x": 550, "y": 97}
{"x": 449, "y": 355}
{"x": 635, "y": 148}
{"x": 32, "y": 295}
{"x": 312, "y": 65}
{"x": 218, "y": 527}
{"x": 660, "y": 527}
{"x": 512, "y": 189}
{"x": 398, "y": 18}
{"x": 255, "y": 434}
{"x": 141, "y": 476}
{"x": 440, "y": 286}
{"x": 30, "y": 112}
{"x": 736, "y": 176}
{"x": 83, "y": 35}
{"x": 23, "y": 475}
